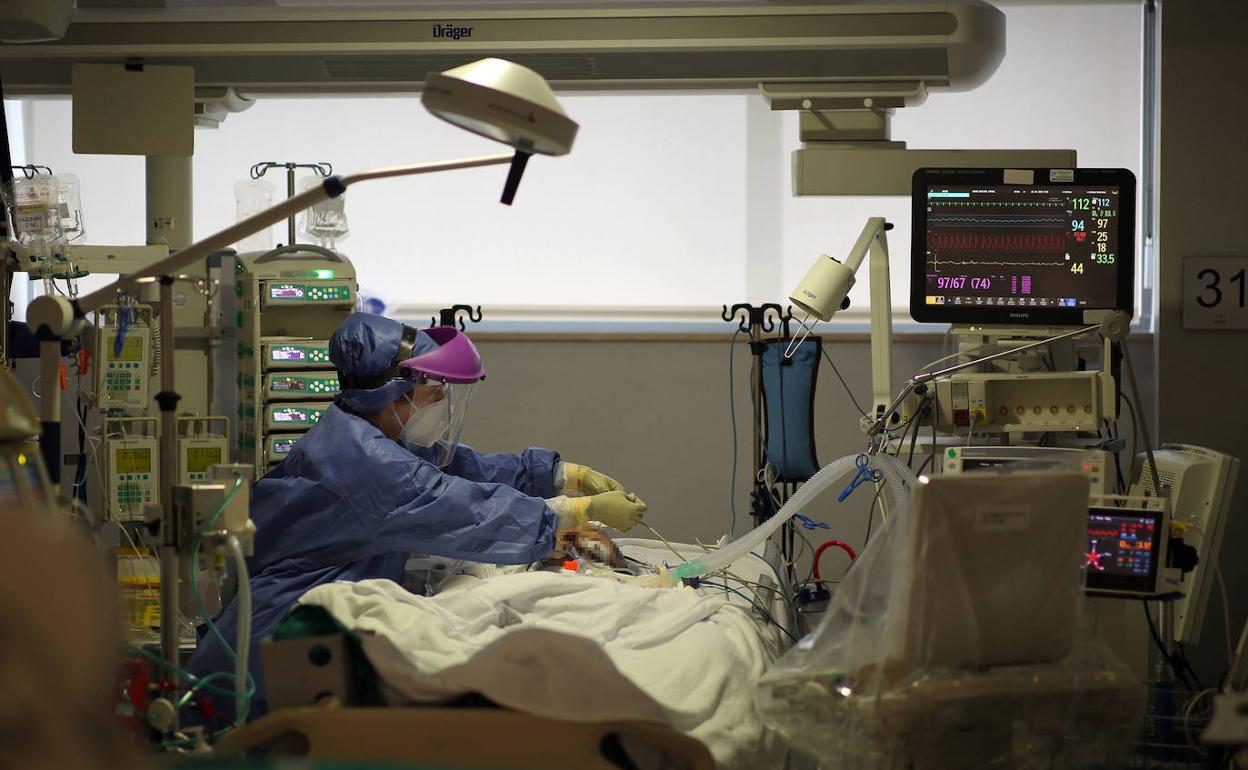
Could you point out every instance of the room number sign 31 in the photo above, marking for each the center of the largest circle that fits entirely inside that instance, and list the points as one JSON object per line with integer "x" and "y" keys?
{"x": 1215, "y": 293}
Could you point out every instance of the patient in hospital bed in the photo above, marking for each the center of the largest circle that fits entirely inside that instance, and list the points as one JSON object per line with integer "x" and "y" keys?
{"x": 588, "y": 549}
{"x": 696, "y": 653}
{"x": 589, "y": 542}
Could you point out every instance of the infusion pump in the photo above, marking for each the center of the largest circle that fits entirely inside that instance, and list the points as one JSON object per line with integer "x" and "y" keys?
{"x": 202, "y": 443}
{"x": 123, "y": 357}
{"x": 131, "y": 461}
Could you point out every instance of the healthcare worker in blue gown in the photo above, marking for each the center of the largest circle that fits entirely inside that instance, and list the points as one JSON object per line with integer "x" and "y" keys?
{"x": 380, "y": 477}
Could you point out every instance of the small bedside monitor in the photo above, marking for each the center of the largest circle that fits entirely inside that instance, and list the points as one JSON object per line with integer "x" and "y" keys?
{"x": 1022, "y": 246}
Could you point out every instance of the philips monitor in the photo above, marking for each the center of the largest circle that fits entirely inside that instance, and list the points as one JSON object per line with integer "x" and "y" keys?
{"x": 1022, "y": 246}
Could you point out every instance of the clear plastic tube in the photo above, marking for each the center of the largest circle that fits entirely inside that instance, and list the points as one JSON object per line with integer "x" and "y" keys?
{"x": 897, "y": 475}
{"x": 242, "y": 648}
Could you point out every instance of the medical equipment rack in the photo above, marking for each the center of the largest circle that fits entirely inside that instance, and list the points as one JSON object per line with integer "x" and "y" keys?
{"x": 284, "y": 306}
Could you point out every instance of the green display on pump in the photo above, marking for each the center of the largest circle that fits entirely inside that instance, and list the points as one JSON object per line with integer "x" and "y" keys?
{"x": 131, "y": 349}
{"x": 199, "y": 458}
{"x": 134, "y": 461}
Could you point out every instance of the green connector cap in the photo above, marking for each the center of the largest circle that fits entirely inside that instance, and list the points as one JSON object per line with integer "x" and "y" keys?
{"x": 690, "y": 569}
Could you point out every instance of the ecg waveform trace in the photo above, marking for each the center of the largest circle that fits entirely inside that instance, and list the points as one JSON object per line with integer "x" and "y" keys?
{"x": 1001, "y": 204}
{"x": 962, "y": 241}
{"x": 1019, "y": 221}
{"x": 991, "y": 263}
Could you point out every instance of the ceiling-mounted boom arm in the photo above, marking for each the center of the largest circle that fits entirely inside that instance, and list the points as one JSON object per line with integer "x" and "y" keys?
{"x": 942, "y": 44}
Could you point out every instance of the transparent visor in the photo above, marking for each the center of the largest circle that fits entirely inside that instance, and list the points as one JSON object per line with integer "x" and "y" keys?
{"x": 436, "y": 420}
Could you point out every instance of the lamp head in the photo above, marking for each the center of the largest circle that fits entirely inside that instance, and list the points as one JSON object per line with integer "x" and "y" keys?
{"x": 506, "y": 102}
{"x": 825, "y": 289}
{"x": 503, "y": 101}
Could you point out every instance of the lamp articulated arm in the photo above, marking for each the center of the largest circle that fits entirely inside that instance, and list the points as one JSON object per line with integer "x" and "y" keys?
{"x": 330, "y": 187}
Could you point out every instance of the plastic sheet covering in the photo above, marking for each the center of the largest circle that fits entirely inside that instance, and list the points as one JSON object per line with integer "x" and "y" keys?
{"x": 955, "y": 641}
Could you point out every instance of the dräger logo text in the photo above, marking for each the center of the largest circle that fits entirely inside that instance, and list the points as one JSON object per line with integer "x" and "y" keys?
{"x": 451, "y": 31}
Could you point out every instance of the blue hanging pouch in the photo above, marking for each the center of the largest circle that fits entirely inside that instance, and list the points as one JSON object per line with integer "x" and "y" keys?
{"x": 789, "y": 406}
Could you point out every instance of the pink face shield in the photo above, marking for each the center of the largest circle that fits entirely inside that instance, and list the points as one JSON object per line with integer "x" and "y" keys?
{"x": 452, "y": 370}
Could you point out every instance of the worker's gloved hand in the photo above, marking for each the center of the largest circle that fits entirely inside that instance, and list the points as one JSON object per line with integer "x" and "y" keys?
{"x": 615, "y": 509}
{"x": 583, "y": 480}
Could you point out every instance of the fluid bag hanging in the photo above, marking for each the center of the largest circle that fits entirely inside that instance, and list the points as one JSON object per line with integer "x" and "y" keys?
{"x": 789, "y": 406}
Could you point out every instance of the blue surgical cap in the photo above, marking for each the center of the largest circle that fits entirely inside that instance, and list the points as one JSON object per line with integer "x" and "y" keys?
{"x": 364, "y": 345}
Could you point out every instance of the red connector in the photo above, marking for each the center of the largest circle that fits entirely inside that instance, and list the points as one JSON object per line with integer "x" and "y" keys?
{"x": 830, "y": 544}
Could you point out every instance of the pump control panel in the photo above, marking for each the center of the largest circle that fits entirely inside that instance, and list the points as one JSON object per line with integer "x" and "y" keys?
{"x": 313, "y": 354}
{"x": 277, "y": 293}
{"x": 277, "y": 446}
{"x": 294, "y": 416}
{"x": 297, "y": 386}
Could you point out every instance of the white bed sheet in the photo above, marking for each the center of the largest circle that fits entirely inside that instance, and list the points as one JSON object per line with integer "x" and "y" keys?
{"x": 696, "y": 654}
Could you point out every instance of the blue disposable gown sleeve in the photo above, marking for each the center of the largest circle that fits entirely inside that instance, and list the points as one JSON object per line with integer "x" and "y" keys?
{"x": 348, "y": 493}
{"x": 532, "y": 471}
{"x": 440, "y": 514}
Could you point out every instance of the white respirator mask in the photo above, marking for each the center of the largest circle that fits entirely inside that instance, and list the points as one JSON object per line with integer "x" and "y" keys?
{"x": 432, "y": 429}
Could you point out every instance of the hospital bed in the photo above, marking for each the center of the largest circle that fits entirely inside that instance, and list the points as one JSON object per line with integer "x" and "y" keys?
{"x": 687, "y": 661}
{"x": 464, "y": 738}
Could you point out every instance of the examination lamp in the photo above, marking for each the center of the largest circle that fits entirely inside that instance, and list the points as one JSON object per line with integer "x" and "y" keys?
{"x": 825, "y": 288}
{"x": 495, "y": 98}
{"x": 824, "y": 291}
{"x": 504, "y": 102}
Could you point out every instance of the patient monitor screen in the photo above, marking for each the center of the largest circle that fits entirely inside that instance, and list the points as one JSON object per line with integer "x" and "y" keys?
{"x": 1032, "y": 246}
{"x": 992, "y": 252}
{"x": 1121, "y": 549}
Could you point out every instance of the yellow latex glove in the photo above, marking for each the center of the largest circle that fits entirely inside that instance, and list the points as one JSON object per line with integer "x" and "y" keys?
{"x": 584, "y": 480}
{"x": 615, "y": 509}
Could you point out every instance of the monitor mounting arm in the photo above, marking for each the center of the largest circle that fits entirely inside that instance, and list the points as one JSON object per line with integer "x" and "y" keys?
{"x": 846, "y": 113}
{"x": 847, "y": 145}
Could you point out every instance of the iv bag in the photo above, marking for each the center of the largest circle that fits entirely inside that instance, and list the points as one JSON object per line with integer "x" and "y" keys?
{"x": 325, "y": 222}
{"x": 251, "y": 196}
{"x": 34, "y": 210}
{"x": 69, "y": 198}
